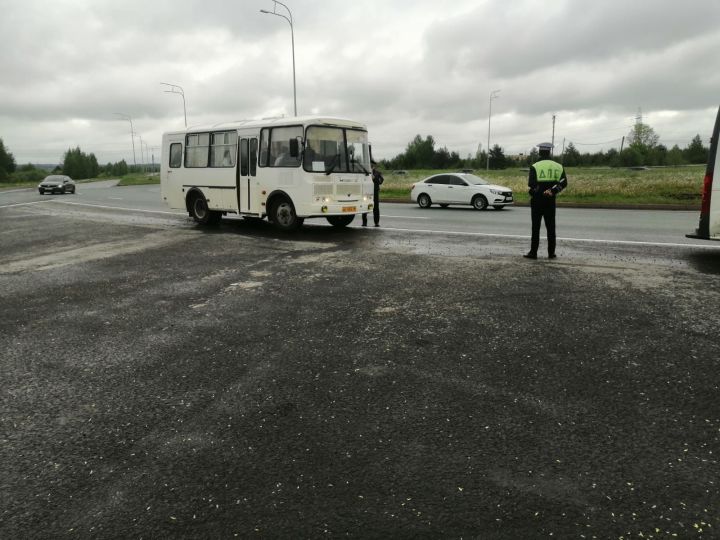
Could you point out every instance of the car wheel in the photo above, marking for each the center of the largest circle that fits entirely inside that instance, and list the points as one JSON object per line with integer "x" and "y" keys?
{"x": 283, "y": 215}
{"x": 72, "y": 191}
{"x": 499, "y": 207}
{"x": 42, "y": 191}
{"x": 479, "y": 202}
{"x": 424, "y": 201}
{"x": 340, "y": 221}
{"x": 201, "y": 213}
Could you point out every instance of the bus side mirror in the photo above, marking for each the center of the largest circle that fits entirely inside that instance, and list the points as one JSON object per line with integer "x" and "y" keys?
{"x": 294, "y": 148}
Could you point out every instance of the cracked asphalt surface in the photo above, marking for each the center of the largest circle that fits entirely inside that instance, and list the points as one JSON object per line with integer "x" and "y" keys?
{"x": 159, "y": 379}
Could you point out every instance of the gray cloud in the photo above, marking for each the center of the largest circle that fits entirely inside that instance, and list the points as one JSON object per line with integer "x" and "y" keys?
{"x": 403, "y": 67}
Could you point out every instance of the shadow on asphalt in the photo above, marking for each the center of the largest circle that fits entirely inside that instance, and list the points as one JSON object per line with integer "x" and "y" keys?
{"x": 707, "y": 262}
{"x": 309, "y": 232}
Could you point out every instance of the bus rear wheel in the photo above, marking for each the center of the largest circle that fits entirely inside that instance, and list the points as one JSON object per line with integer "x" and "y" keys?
{"x": 201, "y": 213}
{"x": 283, "y": 215}
{"x": 340, "y": 221}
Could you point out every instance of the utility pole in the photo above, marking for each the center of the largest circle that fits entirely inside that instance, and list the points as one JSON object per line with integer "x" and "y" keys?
{"x": 493, "y": 95}
{"x": 622, "y": 143}
{"x": 552, "y": 150}
{"x": 132, "y": 133}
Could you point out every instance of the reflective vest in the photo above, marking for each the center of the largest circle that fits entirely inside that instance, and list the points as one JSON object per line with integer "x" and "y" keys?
{"x": 548, "y": 171}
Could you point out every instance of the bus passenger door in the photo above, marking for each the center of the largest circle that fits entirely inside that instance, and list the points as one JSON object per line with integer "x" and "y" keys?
{"x": 246, "y": 173}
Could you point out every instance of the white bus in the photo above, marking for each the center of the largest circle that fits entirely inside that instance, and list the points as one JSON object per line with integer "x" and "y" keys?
{"x": 709, "y": 226}
{"x": 285, "y": 169}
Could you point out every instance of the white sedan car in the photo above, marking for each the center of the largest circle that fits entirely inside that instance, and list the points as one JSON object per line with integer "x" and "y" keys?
{"x": 460, "y": 188}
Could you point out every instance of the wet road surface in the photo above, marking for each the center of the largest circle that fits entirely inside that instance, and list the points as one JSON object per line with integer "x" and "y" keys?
{"x": 162, "y": 379}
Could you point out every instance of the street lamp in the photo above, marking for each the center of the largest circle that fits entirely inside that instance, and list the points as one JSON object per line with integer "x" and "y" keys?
{"x": 147, "y": 156}
{"x": 493, "y": 95}
{"x": 132, "y": 133}
{"x": 175, "y": 89}
{"x": 142, "y": 155}
{"x": 292, "y": 36}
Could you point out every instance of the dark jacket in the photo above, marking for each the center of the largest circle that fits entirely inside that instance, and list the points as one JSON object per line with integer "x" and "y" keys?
{"x": 546, "y": 174}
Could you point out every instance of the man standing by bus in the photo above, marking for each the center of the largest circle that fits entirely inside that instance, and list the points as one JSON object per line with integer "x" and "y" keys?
{"x": 377, "y": 179}
{"x": 546, "y": 179}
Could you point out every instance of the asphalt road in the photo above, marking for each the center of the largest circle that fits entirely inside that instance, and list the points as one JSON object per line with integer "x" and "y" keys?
{"x": 589, "y": 225}
{"x": 160, "y": 379}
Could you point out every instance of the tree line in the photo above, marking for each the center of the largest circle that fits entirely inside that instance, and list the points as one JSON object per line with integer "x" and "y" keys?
{"x": 642, "y": 149}
{"x": 76, "y": 164}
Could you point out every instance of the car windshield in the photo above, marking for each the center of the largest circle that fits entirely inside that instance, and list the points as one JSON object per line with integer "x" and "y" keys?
{"x": 331, "y": 149}
{"x": 53, "y": 179}
{"x": 472, "y": 179}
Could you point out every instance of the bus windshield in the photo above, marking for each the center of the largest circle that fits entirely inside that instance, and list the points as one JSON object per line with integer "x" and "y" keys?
{"x": 332, "y": 149}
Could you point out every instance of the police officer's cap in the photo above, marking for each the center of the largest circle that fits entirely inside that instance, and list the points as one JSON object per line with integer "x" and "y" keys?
{"x": 545, "y": 146}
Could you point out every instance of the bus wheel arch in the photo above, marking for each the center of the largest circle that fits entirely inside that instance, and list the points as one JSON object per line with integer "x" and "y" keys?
{"x": 281, "y": 212}
{"x": 197, "y": 207}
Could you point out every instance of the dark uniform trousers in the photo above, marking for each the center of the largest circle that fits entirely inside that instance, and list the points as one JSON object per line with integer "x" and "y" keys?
{"x": 543, "y": 208}
{"x": 376, "y": 206}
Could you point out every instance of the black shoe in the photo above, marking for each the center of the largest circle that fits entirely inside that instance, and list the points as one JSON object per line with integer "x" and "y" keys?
{"x": 530, "y": 255}
{"x": 552, "y": 256}
{"x": 377, "y": 224}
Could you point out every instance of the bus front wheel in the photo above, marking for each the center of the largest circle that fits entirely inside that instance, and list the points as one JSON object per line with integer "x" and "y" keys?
{"x": 283, "y": 215}
{"x": 201, "y": 213}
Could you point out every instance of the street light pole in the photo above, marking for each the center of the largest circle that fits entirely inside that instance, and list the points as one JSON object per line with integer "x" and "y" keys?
{"x": 175, "y": 89}
{"x": 132, "y": 133}
{"x": 493, "y": 95}
{"x": 147, "y": 156}
{"x": 142, "y": 155}
{"x": 292, "y": 37}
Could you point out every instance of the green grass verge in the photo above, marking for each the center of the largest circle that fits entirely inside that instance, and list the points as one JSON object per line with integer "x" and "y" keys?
{"x": 139, "y": 179}
{"x": 670, "y": 185}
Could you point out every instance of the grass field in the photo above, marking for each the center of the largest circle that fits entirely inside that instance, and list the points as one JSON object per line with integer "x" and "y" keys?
{"x": 671, "y": 185}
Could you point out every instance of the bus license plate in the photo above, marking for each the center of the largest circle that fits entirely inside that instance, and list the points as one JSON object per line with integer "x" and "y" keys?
{"x": 349, "y": 209}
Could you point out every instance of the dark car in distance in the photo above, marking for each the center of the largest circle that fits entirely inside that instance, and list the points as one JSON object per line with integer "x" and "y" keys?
{"x": 57, "y": 183}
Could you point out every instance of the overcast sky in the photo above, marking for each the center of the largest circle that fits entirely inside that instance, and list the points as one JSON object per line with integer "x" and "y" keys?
{"x": 403, "y": 67}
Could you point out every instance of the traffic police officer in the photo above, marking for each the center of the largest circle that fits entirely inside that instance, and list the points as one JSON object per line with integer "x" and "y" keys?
{"x": 377, "y": 179}
{"x": 546, "y": 179}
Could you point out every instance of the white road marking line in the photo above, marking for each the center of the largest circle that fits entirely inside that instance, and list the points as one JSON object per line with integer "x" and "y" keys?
{"x": 3, "y": 192}
{"x": 589, "y": 240}
{"x": 401, "y": 217}
{"x": 23, "y": 204}
{"x": 121, "y": 208}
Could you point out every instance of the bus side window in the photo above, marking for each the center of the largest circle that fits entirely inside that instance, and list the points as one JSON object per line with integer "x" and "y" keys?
{"x": 280, "y": 146}
{"x": 197, "y": 149}
{"x": 253, "y": 156}
{"x": 175, "y": 155}
{"x": 223, "y": 146}
{"x": 243, "y": 157}
{"x": 264, "y": 144}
